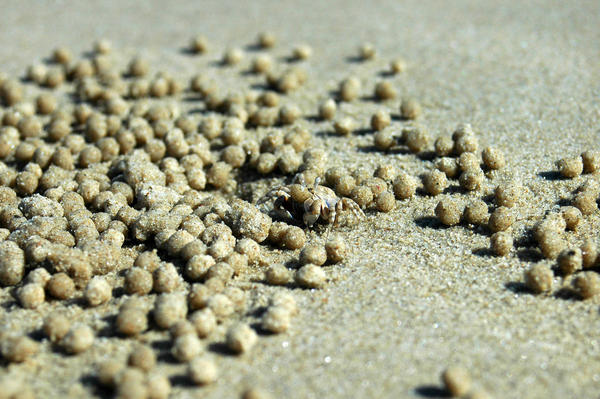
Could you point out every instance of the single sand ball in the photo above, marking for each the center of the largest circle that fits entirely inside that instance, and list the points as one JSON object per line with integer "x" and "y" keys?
{"x": 385, "y": 91}
{"x": 362, "y": 195}
{"x": 327, "y": 109}
{"x": 61, "y": 286}
{"x": 587, "y": 284}
{"x": 56, "y": 326}
{"x": 79, "y": 339}
{"x": 130, "y": 383}
{"x": 404, "y": 186}
{"x": 202, "y": 371}
{"x": 471, "y": 180}
{"x": 233, "y": 56}
{"x": 551, "y": 245}
{"x": 386, "y": 172}
{"x": 294, "y": 237}
{"x": 302, "y": 52}
{"x": 589, "y": 253}
{"x": 585, "y": 201}
{"x": 199, "y": 44}
{"x": 591, "y": 161}
{"x": 107, "y": 372}
{"x": 416, "y": 138}
{"x": 310, "y": 276}
{"x": 204, "y": 322}
{"x": 384, "y": 140}
{"x": 159, "y": 386}
{"x": 538, "y": 278}
{"x": 221, "y": 305}
{"x": 468, "y": 161}
{"x": 572, "y": 216}
{"x": 278, "y": 274}
{"x": 569, "y": 261}
{"x": 410, "y": 109}
{"x": 12, "y": 263}
{"x": 501, "y": 243}
{"x": 138, "y": 281}
{"x": 570, "y": 167}
{"x": 501, "y": 219}
{"x": 456, "y": 380}
{"x": 314, "y": 253}
{"x": 336, "y": 249}
{"x": 350, "y": 89}
{"x": 380, "y": 120}
{"x": 31, "y": 295}
{"x": 366, "y": 51}
{"x": 186, "y": 347}
{"x": 276, "y": 319}
{"x": 476, "y": 213}
{"x": 240, "y": 338}
{"x": 169, "y": 309}
{"x": 267, "y": 40}
{"x": 507, "y": 194}
{"x": 435, "y": 182}
{"x": 443, "y": 146}
{"x": 142, "y": 357}
{"x": 97, "y": 291}
{"x": 493, "y": 158}
{"x": 17, "y": 349}
{"x": 131, "y": 321}
{"x": 166, "y": 278}
{"x": 385, "y": 202}
{"x": 344, "y": 126}
{"x": 448, "y": 211}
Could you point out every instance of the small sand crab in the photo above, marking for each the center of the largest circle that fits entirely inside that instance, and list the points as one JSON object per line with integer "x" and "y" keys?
{"x": 304, "y": 204}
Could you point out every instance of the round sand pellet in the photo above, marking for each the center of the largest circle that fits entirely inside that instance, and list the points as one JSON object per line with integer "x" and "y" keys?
{"x": 294, "y": 237}
{"x": 18, "y": 349}
{"x": 327, "y": 109}
{"x": 456, "y": 380}
{"x": 591, "y": 161}
{"x": 131, "y": 321}
{"x": 314, "y": 253}
{"x": 410, "y": 109}
{"x": 501, "y": 219}
{"x": 538, "y": 278}
{"x": 97, "y": 291}
{"x": 572, "y": 216}
{"x": 276, "y": 319}
{"x": 61, "y": 286}
{"x": 551, "y": 245}
{"x": 385, "y": 91}
{"x": 569, "y": 261}
{"x": 434, "y": 182}
{"x": 448, "y": 211}
{"x": 240, "y": 338}
{"x": 202, "y": 370}
{"x": 385, "y": 202}
{"x": 471, "y": 180}
{"x": 349, "y": 89}
{"x": 169, "y": 309}
{"x": 143, "y": 357}
{"x": 501, "y": 243}
{"x": 186, "y": 347}
{"x": 278, "y": 274}
{"x": 404, "y": 186}
{"x": 507, "y": 194}
{"x": 31, "y": 295}
{"x": 380, "y": 120}
{"x": 79, "y": 339}
{"x": 344, "y": 126}
{"x": 493, "y": 158}
{"x": 476, "y": 213}
{"x": 310, "y": 276}
{"x": 587, "y": 284}
{"x": 56, "y": 326}
{"x": 443, "y": 146}
{"x": 589, "y": 254}
{"x": 107, "y": 372}
{"x": 570, "y": 167}
{"x": 204, "y": 322}
{"x": 586, "y": 202}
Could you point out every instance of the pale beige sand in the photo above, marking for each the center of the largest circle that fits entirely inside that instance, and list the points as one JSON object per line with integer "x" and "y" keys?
{"x": 413, "y": 298}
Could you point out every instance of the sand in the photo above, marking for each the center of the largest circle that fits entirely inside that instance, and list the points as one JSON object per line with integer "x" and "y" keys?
{"x": 413, "y": 297}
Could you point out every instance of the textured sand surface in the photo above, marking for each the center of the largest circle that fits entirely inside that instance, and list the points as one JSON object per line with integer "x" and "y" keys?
{"x": 413, "y": 297}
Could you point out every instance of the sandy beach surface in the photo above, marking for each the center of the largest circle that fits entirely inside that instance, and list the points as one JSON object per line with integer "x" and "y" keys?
{"x": 413, "y": 297}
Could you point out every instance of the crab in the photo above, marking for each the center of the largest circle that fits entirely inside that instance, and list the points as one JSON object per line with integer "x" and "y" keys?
{"x": 306, "y": 204}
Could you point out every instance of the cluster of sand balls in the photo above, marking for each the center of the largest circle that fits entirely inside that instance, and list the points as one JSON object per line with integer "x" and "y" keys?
{"x": 97, "y": 159}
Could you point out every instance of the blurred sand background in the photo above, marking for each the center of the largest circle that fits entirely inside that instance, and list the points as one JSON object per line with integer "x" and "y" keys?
{"x": 413, "y": 298}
